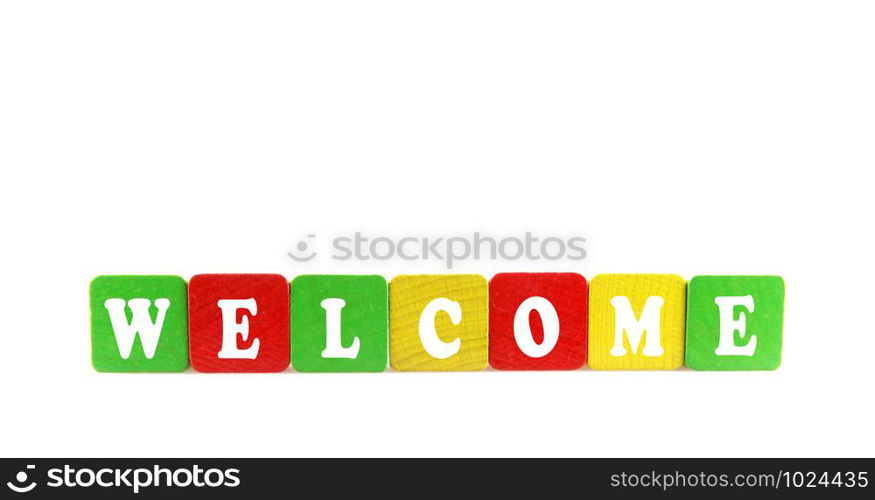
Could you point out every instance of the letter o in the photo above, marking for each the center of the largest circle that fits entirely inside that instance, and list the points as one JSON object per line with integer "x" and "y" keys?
{"x": 522, "y": 333}
{"x": 177, "y": 481}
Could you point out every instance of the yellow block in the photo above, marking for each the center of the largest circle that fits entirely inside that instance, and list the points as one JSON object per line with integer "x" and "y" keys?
{"x": 637, "y": 289}
{"x": 408, "y": 297}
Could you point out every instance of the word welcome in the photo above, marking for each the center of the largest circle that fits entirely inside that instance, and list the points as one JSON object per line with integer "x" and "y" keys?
{"x": 361, "y": 323}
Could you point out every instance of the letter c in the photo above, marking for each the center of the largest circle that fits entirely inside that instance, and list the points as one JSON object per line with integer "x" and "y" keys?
{"x": 432, "y": 343}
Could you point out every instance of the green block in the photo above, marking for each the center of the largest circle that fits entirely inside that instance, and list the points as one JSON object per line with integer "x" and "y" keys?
{"x": 136, "y": 303}
{"x": 753, "y": 305}
{"x": 364, "y": 315}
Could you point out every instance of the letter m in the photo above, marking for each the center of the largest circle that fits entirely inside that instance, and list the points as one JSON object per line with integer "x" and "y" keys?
{"x": 141, "y": 323}
{"x": 647, "y": 326}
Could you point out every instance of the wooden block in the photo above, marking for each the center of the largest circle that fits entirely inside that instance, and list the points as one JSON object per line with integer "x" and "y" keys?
{"x": 340, "y": 323}
{"x": 438, "y": 322}
{"x": 537, "y": 321}
{"x": 735, "y": 322}
{"x": 139, "y": 324}
{"x": 239, "y": 322}
{"x": 636, "y": 322}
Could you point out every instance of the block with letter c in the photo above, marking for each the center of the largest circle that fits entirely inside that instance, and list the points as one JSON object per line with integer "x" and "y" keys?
{"x": 438, "y": 322}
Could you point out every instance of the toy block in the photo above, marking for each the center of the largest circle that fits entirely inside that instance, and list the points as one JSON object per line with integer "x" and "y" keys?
{"x": 139, "y": 324}
{"x": 735, "y": 322}
{"x": 340, "y": 323}
{"x": 636, "y": 321}
{"x": 537, "y": 321}
{"x": 438, "y": 322}
{"x": 239, "y": 322}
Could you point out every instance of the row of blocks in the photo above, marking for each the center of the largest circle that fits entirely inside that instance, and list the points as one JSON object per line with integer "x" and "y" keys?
{"x": 358, "y": 323}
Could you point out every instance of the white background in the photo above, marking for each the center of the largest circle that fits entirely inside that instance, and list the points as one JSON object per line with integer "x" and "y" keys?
{"x": 693, "y": 137}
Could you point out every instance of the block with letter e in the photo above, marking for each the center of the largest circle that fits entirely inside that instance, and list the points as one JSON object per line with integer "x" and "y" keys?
{"x": 239, "y": 322}
{"x": 636, "y": 322}
{"x": 735, "y": 322}
{"x": 139, "y": 324}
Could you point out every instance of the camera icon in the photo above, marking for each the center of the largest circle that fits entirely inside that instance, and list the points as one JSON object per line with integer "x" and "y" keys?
{"x": 18, "y": 486}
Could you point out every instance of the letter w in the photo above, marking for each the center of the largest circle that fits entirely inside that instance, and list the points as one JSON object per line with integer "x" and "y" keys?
{"x": 141, "y": 323}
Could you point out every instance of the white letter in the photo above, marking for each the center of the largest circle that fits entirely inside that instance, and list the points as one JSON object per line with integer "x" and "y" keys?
{"x": 625, "y": 321}
{"x": 729, "y": 325}
{"x": 333, "y": 343}
{"x": 54, "y": 478}
{"x": 141, "y": 323}
{"x": 230, "y": 329}
{"x": 427, "y": 333}
{"x": 523, "y": 334}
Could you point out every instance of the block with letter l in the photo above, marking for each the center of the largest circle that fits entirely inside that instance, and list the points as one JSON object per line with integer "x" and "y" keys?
{"x": 340, "y": 323}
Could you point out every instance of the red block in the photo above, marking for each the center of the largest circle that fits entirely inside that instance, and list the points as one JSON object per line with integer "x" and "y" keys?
{"x": 566, "y": 293}
{"x": 253, "y": 303}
